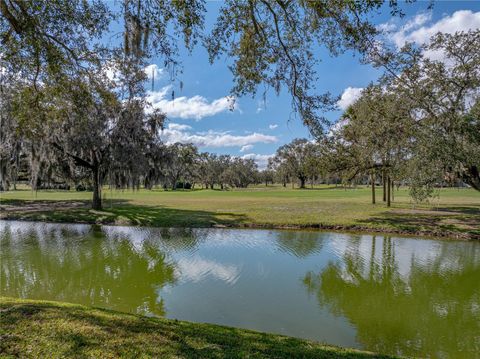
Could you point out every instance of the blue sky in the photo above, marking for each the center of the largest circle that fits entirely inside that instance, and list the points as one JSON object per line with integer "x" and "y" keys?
{"x": 200, "y": 112}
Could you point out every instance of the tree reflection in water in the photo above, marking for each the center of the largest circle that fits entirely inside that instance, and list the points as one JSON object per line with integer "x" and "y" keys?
{"x": 402, "y": 303}
{"x": 91, "y": 265}
{"x": 401, "y": 296}
{"x": 299, "y": 243}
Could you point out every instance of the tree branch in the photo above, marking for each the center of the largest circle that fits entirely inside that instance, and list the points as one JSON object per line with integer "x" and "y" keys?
{"x": 78, "y": 161}
{"x": 10, "y": 18}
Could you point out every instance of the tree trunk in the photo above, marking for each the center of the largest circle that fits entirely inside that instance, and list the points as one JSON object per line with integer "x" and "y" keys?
{"x": 373, "y": 187}
{"x": 389, "y": 187}
{"x": 97, "y": 189}
{"x": 393, "y": 189}
{"x": 302, "y": 182}
{"x": 384, "y": 180}
{"x": 472, "y": 177}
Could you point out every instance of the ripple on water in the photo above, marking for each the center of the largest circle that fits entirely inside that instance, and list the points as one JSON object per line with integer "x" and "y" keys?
{"x": 407, "y": 296}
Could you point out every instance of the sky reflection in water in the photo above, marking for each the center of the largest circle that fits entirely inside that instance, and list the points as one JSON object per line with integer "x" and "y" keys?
{"x": 392, "y": 295}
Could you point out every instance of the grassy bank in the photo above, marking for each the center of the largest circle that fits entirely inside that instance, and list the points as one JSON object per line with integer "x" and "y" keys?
{"x": 38, "y": 329}
{"x": 455, "y": 213}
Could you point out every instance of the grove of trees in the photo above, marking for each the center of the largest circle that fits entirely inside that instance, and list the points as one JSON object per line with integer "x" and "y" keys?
{"x": 65, "y": 119}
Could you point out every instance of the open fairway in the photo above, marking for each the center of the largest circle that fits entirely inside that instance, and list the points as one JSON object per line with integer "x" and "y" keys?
{"x": 454, "y": 213}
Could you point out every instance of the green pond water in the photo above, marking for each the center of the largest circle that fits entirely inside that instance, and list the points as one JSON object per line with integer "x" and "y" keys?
{"x": 406, "y": 296}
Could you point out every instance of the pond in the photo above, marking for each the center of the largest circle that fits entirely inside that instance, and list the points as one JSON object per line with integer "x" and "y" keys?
{"x": 413, "y": 297}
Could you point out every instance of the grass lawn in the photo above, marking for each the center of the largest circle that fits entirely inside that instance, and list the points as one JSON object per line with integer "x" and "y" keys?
{"x": 39, "y": 329}
{"x": 455, "y": 213}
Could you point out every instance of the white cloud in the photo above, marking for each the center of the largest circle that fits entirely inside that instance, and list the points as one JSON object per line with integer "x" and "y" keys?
{"x": 196, "y": 107}
{"x": 387, "y": 27}
{"x": 273, "y": 126}
{"x": 197, "y": 269}
{"x": 419, "y": 31}
{"x": 178, "y": 127}
{"x": 154, "y": 71}
{"x": 182, "y": 133}
{"x": 349, "y": 96}
{"x": 418, "y": 20}
{"x": 260, "y": 160}
{"x": 246, "y": 148}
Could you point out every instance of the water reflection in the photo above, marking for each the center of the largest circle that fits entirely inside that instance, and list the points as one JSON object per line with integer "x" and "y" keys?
{"x": 413, "y": 299}
{"x": 197, "y": 269}
{"x": 112, "y": 267}
{"x": 300, "y": 244}
{"x": 391, "y": 295}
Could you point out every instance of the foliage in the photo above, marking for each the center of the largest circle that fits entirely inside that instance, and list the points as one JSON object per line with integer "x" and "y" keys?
{"x": 181, "y": 159}
{"x": 271, "y": 43}
{"x": 216, "y": 166}
{"x": 298, "y": 159}
{"x": 372, "y": 139}
{"x": 11, "y": 142}
{"x": 42, "y": 39}
{"x": 67, "y": 121}
{"x": 85, "y": 132}
{"x": 54, "y": 52}
{"x": 240, "y": 172}
{"x": 442, "y": 85}
{"x": 419, "y": 124}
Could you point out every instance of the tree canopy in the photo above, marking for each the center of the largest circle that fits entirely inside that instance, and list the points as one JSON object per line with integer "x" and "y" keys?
{"x": 65, "y": 117}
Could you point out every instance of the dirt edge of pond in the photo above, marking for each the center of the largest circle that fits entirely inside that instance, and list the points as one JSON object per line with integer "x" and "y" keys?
{"x": 359, "y": 229}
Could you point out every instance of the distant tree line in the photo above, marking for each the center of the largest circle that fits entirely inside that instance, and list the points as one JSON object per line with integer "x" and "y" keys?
{"x": 171, "y": 167}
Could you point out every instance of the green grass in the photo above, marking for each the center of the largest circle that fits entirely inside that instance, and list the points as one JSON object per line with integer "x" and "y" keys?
{"x": 40, "y": 329}
{"x": 455, "y": 213}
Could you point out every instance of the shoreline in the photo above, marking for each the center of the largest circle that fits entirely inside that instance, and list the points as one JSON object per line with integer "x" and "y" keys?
{"x": 37, "y": 328}
{"x": 424, "y": 234}
{"x": 456, "y": 216}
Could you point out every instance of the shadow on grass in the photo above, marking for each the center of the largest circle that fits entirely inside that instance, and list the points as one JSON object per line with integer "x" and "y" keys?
{"x": 471, "y": 210}
{"x": 79, "y": 332}
{"x": 447, "y": 220}
{"x": 116, "y": 212}
{"x": 321, "y": 188}
{"x": 160, "y": 216}
{"x": 43, "y": 202}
